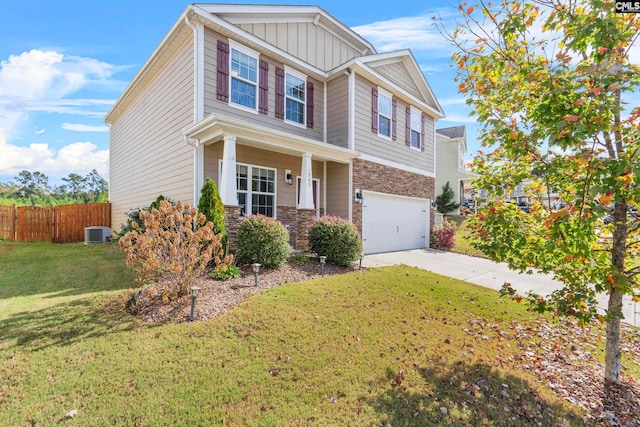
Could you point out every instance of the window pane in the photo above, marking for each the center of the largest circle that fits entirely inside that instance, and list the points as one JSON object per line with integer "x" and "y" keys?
{"x": 295, "y": 111}
{"x": 244, "y": 65}
{"x": 384, "y": 105}
{"x": 415, "y": 139}
{"x": 242, "y": 202}
{"x": 384, "y": 126}
{"x": 295, "y": 87}
{"x": 416, "y": 122}
{"x": 243, "y": 93}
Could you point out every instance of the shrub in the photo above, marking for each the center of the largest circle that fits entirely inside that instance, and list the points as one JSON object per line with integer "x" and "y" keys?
{"x": 299, "y": 259}
{"x": 263, "y": 240}
{"x": 133, "y": 217}
{"x": 443, "y": 237}
{"x": 211, "y": 206}
{"x": 225, "y": 272}
{"x": 168, "y": 248}
{"x": 445, "y": 202}
{"x": 335, "y": 238}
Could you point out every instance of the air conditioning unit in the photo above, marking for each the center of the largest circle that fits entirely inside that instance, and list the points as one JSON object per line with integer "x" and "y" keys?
{"x": 97, "y": 234}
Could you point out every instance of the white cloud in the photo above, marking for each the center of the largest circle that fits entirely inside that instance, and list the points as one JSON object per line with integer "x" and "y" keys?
{"x": 79, "y": 157}
{"x": 38, "y": 131}
{"x": 79, "y": 127}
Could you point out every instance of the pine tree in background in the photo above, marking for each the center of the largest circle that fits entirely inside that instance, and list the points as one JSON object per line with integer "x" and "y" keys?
{"x": 444, "y": 202}
{"x": 211, "y": 206}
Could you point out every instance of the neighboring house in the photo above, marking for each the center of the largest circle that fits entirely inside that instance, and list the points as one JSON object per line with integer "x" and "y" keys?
{"x": 291, "y": 113}
{"x": 451, "y": 148}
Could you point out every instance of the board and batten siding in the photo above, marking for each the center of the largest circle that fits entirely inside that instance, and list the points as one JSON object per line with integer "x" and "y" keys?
{"x": 338, "y": 111}
{"x": 311, "y": 43}
{"x": 148, "y": 154}
{"x": 212, "y": 105}
{"x": 397, "y": 73}
{"x": 368, "y": 142}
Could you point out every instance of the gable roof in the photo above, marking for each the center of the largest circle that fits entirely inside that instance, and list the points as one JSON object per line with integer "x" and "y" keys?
{"x": 453, "y": 132}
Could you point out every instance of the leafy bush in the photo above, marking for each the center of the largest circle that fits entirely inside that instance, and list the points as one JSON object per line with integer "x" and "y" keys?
{"x": 299, "y": 259}
{"x": 443, "y": 237}
{"x": 225, "y": 272}
{"x": 133, "y": 217}
{"x": 169, "y": 249}
{"x": 211, "y": 206}
{"x": 263, "y": 240}
{"x": 335, "y": 238}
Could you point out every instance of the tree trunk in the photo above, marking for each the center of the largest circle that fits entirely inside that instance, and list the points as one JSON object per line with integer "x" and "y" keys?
{"x": 612, "y": 355}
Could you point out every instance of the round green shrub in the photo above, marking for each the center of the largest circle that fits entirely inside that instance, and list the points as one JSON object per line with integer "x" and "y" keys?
{"x": 335, "y": 238}
{"x": 263, "y": 240}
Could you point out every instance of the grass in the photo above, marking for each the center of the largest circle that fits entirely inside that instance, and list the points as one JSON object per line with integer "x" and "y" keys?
{"x": 396, "y": 345}
{"x": 462, "y": 245}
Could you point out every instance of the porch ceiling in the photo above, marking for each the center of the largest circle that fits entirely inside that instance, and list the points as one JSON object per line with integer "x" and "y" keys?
{"x": 216, "y": 126}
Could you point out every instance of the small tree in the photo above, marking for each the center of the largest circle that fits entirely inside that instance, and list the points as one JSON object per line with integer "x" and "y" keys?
{"x": 169, "y": 248}
{"x": 211, "y": 206}
{"x": 444, "y": 202}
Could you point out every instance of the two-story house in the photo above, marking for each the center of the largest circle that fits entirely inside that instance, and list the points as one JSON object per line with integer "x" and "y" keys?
{"x": 291, "y": 113}
{"x": 451, "y": 146}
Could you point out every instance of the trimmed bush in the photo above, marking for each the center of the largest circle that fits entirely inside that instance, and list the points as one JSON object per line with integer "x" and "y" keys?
{"x": 443, "y": 237}
{"x": 211, "y": 206}
{"x": 337, "y": 239}
{"x": 263, "y": 240}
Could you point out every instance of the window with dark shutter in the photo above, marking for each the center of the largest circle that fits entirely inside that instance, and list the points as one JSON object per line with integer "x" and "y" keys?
{"x": 279, "y": 93}
{"x": 394, "y": 119}
{"x": 407, "y": 126}
{"x": 423, "y": 118}
{"x": 223, "y": 71}
{"x": 310, "y": 105}
{"x": 263, "y": 100}
{"x": 374, "y": 110}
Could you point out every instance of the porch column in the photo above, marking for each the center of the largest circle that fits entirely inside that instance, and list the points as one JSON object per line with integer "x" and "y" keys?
{"x": 228, "y": 184}
{"x": 306, "y": 183}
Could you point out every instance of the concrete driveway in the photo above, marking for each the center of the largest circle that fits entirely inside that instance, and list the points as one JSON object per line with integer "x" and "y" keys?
{"x": 486, "y": 273}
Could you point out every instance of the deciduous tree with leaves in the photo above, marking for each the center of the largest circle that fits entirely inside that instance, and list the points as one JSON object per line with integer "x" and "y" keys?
{"x": 551, "y": 82}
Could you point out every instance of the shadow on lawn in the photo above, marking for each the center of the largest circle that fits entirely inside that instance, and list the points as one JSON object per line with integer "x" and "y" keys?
{"x": 63, "y": 324}
{"x": 468, "y": 395}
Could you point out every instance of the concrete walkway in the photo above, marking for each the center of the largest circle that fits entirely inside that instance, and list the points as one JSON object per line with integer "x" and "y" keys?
{"x": 486, "y": 273}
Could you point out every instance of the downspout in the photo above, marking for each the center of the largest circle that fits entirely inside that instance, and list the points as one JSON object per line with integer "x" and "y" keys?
{"x": 198, "y": 104}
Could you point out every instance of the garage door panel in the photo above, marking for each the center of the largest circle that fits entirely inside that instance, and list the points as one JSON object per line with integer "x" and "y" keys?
{"x": 393, "y": 223}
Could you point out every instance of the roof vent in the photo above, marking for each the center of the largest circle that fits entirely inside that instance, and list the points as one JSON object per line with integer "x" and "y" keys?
{"x": 97, "y": 234}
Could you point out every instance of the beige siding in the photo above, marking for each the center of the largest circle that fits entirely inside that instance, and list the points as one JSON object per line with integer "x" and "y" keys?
{"x": 397, "y": 73}
{"x": 213, "y": 106}
{"x": 148, "y": 154}
{"x": 447, "y": 167}
{"x": 367, "y": 142}
{"x": 310, "y": 43}
{"x": 338, "y": 189}
{"x": 338, "y": 111}
{"x": 285, "y": 193}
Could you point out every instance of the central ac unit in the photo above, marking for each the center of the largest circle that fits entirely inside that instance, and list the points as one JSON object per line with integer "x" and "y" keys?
{"x": 97, "y": 234}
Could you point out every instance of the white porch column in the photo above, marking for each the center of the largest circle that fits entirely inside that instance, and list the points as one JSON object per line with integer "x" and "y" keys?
{"x": 306, "y": 183}
{"x": 228, "y": 184}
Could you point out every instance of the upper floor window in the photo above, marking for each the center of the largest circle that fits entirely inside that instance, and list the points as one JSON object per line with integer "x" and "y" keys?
{"x": 416, "y": 128}
{"x": 295, "y": 96}
{"x": 384, "y": 113}
{"x": 244, "y": 76}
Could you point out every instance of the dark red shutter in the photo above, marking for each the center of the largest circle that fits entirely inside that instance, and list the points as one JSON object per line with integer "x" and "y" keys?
{"x": 394, "y": 105}
{"x": 423, "y": 119}
{"x": 407, "y": 127}
{"x": 310, "y": 105}
{"x": 223, "y": 71}
{"x": 374, "y": 110}
{"x": 263, "y": 103}
{"x": 279, "y": 93}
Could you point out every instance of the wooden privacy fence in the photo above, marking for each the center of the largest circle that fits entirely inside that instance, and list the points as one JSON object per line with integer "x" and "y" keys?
{"x": 57, "y": 224}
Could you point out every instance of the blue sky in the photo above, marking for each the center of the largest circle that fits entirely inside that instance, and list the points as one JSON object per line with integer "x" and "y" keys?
{"x": 63, "y": 64}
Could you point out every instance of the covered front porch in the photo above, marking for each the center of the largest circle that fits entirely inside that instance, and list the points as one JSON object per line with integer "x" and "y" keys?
{"x": 273, "y": 173}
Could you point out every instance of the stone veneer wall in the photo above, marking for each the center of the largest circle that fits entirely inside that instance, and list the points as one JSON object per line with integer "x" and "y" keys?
{"x": 306, "y": 218}
{"x": 288, "y": 215}
{"x": 386, "y": 179}
{"x": 231, "y": 223}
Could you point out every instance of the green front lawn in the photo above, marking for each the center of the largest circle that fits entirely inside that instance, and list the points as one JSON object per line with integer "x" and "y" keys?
{"x": 396, "y": 345}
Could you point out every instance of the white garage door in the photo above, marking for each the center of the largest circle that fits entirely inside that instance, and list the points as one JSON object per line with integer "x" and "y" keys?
{"x": 393, "y": 223}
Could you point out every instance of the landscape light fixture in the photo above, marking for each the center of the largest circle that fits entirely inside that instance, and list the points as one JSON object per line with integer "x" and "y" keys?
{"x": 361, "y": 258}
{"x": 193, "y": 291}
{"x": 256, "y": 270}
{"x": 323, "y": 260}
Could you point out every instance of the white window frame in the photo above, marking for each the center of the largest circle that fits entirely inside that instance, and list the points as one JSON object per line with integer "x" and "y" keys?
{"x": 249, "y": 192}
{"x": 417, "y": 114}
{"x": 303, "y": 77}
{"x": 255, "y": 55}
{"x": 383, "y": 93}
